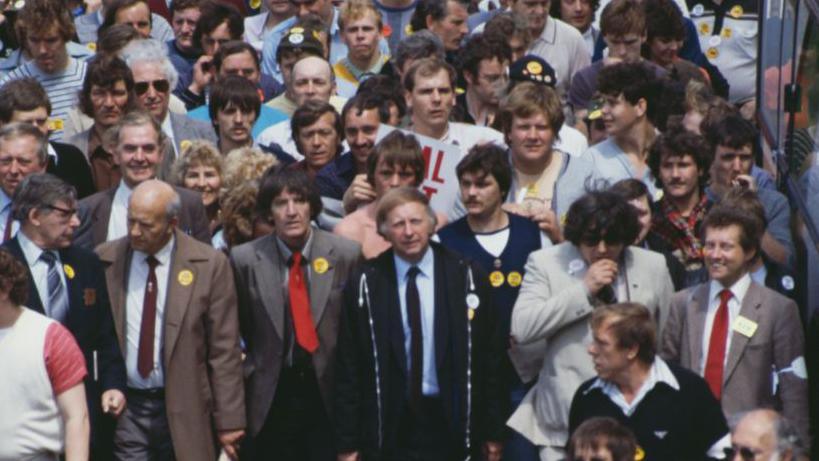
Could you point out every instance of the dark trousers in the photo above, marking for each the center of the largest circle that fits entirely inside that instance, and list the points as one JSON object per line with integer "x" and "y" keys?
{"x": 297, "y": 427}
{"x": 423, "y": 434}
{"x": 142, "y": 432}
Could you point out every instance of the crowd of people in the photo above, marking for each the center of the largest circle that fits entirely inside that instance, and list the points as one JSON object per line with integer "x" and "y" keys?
{"x": 218, "y": 240}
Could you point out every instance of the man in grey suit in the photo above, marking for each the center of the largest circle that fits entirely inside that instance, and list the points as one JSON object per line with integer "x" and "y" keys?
{"x": 563, "y": 284}
{"x": 746, "y": 340}
{"x": 138, "y": 152}
{"x": 154, "y": 78}
{"x": 290, "y": 287}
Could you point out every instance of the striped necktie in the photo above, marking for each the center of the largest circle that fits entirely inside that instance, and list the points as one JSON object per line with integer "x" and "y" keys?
{"x": 57, "y": 296}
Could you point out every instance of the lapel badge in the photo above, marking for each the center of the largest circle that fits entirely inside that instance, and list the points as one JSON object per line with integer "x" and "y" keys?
{"x": 698, "y": 10}
{"x": 705, "y": 28}
{"x": 69, "y": 271}
{"x": 89, "y": 296}
{"x": 712, "y": 53}
{"x": 185, "y": 277}
{"x": 736, "y": 11}
{"x": 639, "y": 454}
{"x": 788, "y": 283}
{"x": 184, "y": 145}
{"x": 320, "y": 265}
{"x": 514, "y": 278}
{"x": 575, "y": 266}
{"x": 496, "y": 278}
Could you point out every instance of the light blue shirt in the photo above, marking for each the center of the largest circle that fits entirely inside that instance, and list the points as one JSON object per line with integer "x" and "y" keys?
{"x": 425, "y": 281}
{"x": 268, "y": 117}
{"x": 613, "y": 165}
{"x": 5, "y": 209}
{"x": 338, "y": 49}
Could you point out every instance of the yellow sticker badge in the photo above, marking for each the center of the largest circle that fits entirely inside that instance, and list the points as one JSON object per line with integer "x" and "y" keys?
{"x": 184, "y": 145}
{"x": 744, "y": 326}
{"x": 320, "y": 265}
{"x": 255, "y": 4}
{"x": 514, "y": 278}
{"x": 69, "y": 271}
{"x": 55, "y": 124}
{"x": 534, "y": 68}
{"x": 705, "y": 28}
{"x": 185, "y": 277}
{"x": 496, "y": 278}
{"x": 712, "y": 53}
{"x": 91, "y": 46}
{"x": 736, "y": 11}
{"x": 639, "y": 454}
{"x": 470, "y": 314}
{"x": 727, "y": 32}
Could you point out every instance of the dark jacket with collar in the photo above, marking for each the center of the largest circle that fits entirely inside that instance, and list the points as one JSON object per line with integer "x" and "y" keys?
{"x": 374, "y": 315}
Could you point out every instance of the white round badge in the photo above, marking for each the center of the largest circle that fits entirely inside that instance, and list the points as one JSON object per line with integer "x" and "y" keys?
{"x": 714, "y": 41}
{"x": 698, "y": 10}
{"x": 472, "y": 301}
{"x": 575, "y": 266}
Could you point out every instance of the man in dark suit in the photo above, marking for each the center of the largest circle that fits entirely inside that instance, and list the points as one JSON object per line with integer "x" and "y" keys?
{"x": 67, "y": 284}
{"x": 103, "y": 216}
{"x": 25, "y": 100}
{"x": 22, "y": 153}
{"x": 417, "y": 375}
{"x": 289, "y": 318}
{"x": 746, "y": 340}
{"x": 174, "y": 309}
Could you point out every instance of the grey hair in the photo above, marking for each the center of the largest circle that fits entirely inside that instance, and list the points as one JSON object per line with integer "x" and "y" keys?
{"x": 397, "y": 197}
{"x": 16, "y": 130}
{"x": 39, "y": 191}
{"x": 787, "y": 437}
{"x": 153, "y": 51}
{"x": 173, "y": 207}
{"x": 136, "y": 117}
{"x": 421, "y": 44}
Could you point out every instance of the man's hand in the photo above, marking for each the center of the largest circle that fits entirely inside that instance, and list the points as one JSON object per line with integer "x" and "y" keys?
{"x": 230, "y": 442}
{"x": 113, "y": 402}
{"x": 547, "y": 221}
{"x": 492, "y": 451}
{"x": 360, "y": 192}
{"x": 352, "y": 456}
{"x": 745, "y": 181}
{"x": 202, "y": 75}
{"x": 603, "y": 272}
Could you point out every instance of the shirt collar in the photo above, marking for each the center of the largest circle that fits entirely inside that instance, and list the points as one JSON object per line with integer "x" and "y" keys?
{"x": 123, "y": 190}
{"x": 549, "y": 30}
{"x": 5, "y": 200}
{"x": 334, "y": 27}
{"x": 163, "y": 255}
{"x": 658, "y": 373}
{"x": 738, "y": 289}
{"x": 425, "y": 264}
{"x": 30, "y": 249}
{"x": 286, "y": 253}
{"x": 52, "y": 153}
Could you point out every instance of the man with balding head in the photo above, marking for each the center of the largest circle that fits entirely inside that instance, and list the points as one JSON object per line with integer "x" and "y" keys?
{"x": 175, "y": 313}
{"x": 138, "y": 152}
{"x": 765, "y": 435}
{"x": 312, "y": 79}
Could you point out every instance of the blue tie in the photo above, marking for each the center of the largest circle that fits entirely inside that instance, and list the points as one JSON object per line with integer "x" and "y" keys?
{"x": 57, "y": 297}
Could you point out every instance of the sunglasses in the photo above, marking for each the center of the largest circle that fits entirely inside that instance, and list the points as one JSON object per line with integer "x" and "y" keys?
{"x": 161, "y": 86}
{"x": 745, "y": 453}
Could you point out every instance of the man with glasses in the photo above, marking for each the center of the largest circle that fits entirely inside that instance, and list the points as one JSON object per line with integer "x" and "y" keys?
{"x": 154, "y": 76}
{"x": 138, "y": 152}
{"x": 67, "y": 283}
{"x": 764, "y": 435}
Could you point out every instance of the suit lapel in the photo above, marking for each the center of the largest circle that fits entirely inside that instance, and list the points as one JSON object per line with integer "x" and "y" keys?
{"x": 119, "y": 259}
{"x": 101, "y": 216}
{"x": 269, "y": 280}
{"x": 442, "y": 306}
{"x": 749, "y": 310}
{"x": 697, "y": 309}
{"x": 320, "y": 284}
{"x": 389, "y": 298}
{"x": 179, "y": 294}
{"x": 34, "y": 302}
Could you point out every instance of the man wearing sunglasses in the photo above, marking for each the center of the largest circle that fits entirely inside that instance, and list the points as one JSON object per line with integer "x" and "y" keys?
{"x": 764, "y": 435}
{"x": 154, "y": 77}
{"x": 67, "y": 283}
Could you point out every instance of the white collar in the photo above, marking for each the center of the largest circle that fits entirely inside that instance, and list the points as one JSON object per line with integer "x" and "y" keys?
{"x": 426, "y": 264}
{"x": 658, "y": 373}
{"x": 163, "y": 255}
{"x": 738, "y": 289}
{"x": 52, "y": 153}
{"x": 30, "y": 249}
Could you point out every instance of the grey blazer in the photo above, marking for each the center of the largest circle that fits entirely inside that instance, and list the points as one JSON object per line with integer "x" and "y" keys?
{"x": 184, "y": 129}
{"x": 262, "y": 294}
{"x": 778, "y": 343}
{"x": 550, "y": 324}
{"x": 95, "y": 211}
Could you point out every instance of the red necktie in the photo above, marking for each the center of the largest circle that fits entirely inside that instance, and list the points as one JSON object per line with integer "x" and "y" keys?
{"x": 300, "y": 307}
{"x": 145, "y": 356}
{"x": 716, "y": 346}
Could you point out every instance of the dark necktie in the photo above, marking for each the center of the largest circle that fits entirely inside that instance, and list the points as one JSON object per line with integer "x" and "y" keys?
{"x": 716, "y": 346}
{"x": 57, "y": 297}
{"x": 606, "y": 295}
{"x": 145, "y": 356}
{"x": 413, "y": 301}
{"x": 300, "y": 307}
{"x": 9, "y": 223}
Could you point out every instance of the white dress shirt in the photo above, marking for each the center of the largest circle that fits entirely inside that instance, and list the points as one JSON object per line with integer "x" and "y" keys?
{"x": 5, "y": 209}
{"x": 39, "y": 269}
{"x": 738, "y": 290}
{"x": 425, "y": 281}
{"x": 118, "y": 221}
{"x": 134, "y": 300}
{"x": 167, "y": 128}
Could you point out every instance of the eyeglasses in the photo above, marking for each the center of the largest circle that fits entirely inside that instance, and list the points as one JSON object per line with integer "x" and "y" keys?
{"x": 161, "y": 86}
{"x": 745, "y": 453}
{"x": 65, "y": 213}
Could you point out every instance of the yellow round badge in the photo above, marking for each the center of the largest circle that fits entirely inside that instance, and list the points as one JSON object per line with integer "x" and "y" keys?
{"x": 727, "y": 32}
{"x": 514, "y": 278}
{"x": 185, "y": 277}
{"x": 320, "y": 265}
{"x": 712, "y": 53}
{"x": 470, "y": 314}
{"x": 705, "y": 28}
{"x": 255, "y": 4}
{"x": 185, "y": 144}
{"x": 69, "y": 271}
{"x": 296, "y": 30}
{"x": 496, "y": 278}
{"x": 92, "y": 46}
{"x": 534, "y": 68}
{"x": 639, "y": 454}
{"x": 736, "y": 11}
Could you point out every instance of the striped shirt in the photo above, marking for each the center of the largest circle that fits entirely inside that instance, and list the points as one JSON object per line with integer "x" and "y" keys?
{"x": 62, "y": 89}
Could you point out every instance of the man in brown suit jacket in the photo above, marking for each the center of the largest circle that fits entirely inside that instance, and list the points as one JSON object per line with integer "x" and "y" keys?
{"x": 174, "y": 309}
{"x": 746, "y": 340}
{"x": 139, "y": 153}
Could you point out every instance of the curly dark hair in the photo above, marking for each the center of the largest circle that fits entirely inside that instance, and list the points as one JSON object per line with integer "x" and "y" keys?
{"x": 680, "y": 142}
{"x": 13, "y": 277}
{"x": 601, "y": 215}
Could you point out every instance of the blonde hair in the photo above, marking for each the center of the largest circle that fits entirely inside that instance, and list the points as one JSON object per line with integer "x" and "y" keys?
{"x": 352, "y": 10}
{"x": 198, "y": 153}
{"x": 243, "y": 165}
